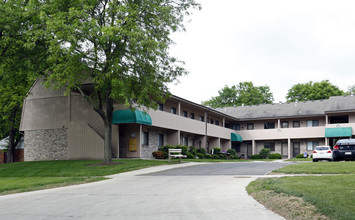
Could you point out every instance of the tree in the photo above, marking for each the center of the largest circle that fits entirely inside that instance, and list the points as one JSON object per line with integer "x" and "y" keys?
{"x": 351, "y": 90}
{"x": 313, "y": 91}
{"x": 121, "y": 46}
{"x": 21, "y": 61}
{"x": 244, "y": 93}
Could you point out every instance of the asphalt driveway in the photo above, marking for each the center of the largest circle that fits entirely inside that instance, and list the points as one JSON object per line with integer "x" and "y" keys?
{"x": 188, "y": 191}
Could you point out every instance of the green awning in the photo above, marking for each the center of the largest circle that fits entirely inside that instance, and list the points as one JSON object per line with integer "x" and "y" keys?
{"x": 338, "y": 132}
{"x": 236, "y": 137}
{"x": 129, "y": 116}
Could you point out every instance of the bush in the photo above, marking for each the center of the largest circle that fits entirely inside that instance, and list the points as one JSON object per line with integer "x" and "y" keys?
{"x": 160, "y": 154}
{"x": 275, "y": 156}
{"x": 234, "y": 157}
{"x": 255, "y": 156}
{"x": 215, "y": 156}
{"x": 193, "y": 150}
{"x": 166, "y": 148}
{"x": 190, "y": 155}
{"x": 299, "y": 156}
{"x": 223, "y": 156}
{"x": 216, "y": 150}
{"x": 200, "y": 156}
{"x": 183, "y": 148}
{"x": 201, "y": 151}
{"x": 208, "y": 156}
{"x": 264, "y": 153}
{"x": 232, "y": 152}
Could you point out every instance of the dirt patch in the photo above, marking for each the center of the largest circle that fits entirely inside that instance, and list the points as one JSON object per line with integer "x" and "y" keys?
{"x": 289, "y": 207}
{"x": 104, "y": 164}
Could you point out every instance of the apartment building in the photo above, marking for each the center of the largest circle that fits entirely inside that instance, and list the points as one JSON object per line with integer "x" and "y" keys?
{"x": 66, "y": 127}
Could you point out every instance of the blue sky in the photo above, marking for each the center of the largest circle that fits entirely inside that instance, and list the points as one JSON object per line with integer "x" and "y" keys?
{"x": 278, "y": 43}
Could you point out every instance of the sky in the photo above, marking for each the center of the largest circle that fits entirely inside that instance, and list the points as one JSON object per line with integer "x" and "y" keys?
{"x": 278, "y": 43}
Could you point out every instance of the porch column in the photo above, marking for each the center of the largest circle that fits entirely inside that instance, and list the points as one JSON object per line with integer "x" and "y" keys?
{"x": 253, "y": 147}
{"x": 140, "y": 140}
{"x": 278, "y": 123}
{"x": 289, "y": 148}
{"x": 224, "y": 122}
{"x": 179, "y": 109}
{"x": 326, "y": 119}
{"x": 178, "y": 137}
{"x": 326, "y": 141}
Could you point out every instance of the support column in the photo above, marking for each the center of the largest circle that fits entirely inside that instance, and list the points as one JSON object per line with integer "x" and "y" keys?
{"x": 253, "y": 147}
{"x": 326, "y": 119}
{"x": 179, "y": 109}
{"x": 289, "y": 148}
{"x": 326, "y": 141}
{"x": 140, "y": 140}
{"x": 224, "y": 122}
{"x": 278, "y": 124}
{"x": 179, "y": 137}
{"x": 205, "y": 138}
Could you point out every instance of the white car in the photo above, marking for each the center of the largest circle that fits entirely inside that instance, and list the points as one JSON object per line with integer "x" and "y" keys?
{"x": 322, "y": 153}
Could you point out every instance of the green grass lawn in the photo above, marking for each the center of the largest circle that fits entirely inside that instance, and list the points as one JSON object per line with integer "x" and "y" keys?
{"x": 29, "y": 176}
{"x": 320, "y": 168}
{"x": 299, "y": 159}
{"x": 333, "y": 196}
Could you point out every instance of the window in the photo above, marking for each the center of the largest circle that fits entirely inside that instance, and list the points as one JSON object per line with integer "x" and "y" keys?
{"x": 312, "y": 123}
{"x": 173, "y": 110}
{"x": 160, "y": 107}
{"x": 161, "y": 140}
{"x": 145, "y": 140}
{"x": 185, "y": 141}
{"x": 212, "y": 121}
{"x": 339, "y": 119}
{"x": 192, "y": 116}
{"x": 250, "y": 126}
{"x": 296, "y": 124}
{"x": 269, "y": 125}
{"x": 236, "y": 127}
{"x": 184, "y": 113}
{"x": 284, "y": 124}
{"x": 216, "y": 122}
{"x": 202, "y": 118}
{"x": 208, "y": 120}
{"x": 271, "y": 146}
{"x": 312, "y": 144}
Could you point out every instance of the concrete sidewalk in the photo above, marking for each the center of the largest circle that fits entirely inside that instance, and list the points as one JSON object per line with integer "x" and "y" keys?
{"x": 133, "y": 196}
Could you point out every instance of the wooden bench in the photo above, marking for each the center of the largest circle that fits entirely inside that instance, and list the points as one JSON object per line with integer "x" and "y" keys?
{"x": 176, "y": 153}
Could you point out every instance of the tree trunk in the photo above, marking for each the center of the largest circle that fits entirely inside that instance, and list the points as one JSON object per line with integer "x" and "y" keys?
{"x": 11, "y": 149}
{"x": 108, "y": 131}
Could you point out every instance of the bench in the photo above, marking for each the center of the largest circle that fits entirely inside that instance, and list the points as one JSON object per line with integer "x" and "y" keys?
{"x": 176, "y": 153}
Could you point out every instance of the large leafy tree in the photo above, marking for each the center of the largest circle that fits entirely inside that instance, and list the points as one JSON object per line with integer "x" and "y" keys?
{"x": 21, "y": 61}
{"x": 120, "y": 46}
{"x": 243, "y": 93}
{"x": 351, "y": 90}
{"x": 313, "y": 91}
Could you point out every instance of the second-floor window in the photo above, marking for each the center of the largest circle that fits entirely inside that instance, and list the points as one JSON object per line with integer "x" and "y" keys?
{"x": 192, "y": 116}
{"x": 173, "y": 110}
{"x": 160, "y": 107}
{"x": 312, "y": 123}
{"x": 184, "y": 113}
{"x": 296, "y": 124}
{"x": 269, "y": 125}
{"x": 216, "y": 122}
{"x": 202, "y": 118}
{"x": 250, "y": 126}
{"x": 284, "y": 124}
{"x": 236, "y": 127}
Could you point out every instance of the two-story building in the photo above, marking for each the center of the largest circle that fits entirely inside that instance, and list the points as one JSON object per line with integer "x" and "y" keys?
{"x": 66, "y": 127}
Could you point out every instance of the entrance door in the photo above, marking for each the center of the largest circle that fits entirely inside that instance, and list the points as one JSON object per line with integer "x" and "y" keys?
{"x": 296, "y": 148}
{"x": 249, "y": 150}
{"x": 284, "y": 149}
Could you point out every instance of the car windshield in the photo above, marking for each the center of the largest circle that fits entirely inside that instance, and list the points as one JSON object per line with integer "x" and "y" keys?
{"x": 322, "y": 148}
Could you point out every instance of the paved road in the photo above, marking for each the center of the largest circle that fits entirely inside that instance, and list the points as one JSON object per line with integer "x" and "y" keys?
{"x": 152, "y": 193}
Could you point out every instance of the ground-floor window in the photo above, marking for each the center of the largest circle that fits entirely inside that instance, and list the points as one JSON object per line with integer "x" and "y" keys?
{"x": 270, "y": 145}
{"x": 145, "y": 140}
{"x": 312, "y": 144}
{"x": 161, "y": 140}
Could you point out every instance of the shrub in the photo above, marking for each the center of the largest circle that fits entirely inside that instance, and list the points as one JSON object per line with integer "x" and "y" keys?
{"x": 234, "y": 157}
{"x": 215, "y": 156}
{"x": 275, "y": 156}
{"x": 255, "y": 156}
{"x": 160, "y": 154}
{"x": 299, "y": 156}
{"x": 200, "y": 156}
{"x": 183, "y": 148}
{"x": 193, "y": 150}
{"x": 264, "y": 153}
{"x": 223, "y": 156}
{"x": 201, "y": 151}
{"x": 216, "y": 150}
{"x": 232, "y": 152}
{"x": 166, "y": 148}
{"x": 190, "y": 155}
{"x": 208, "y": 156}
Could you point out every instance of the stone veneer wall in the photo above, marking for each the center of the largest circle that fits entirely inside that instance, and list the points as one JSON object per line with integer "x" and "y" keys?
{"x": 153, "y": 144}
{"x": 51, "y": 144}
